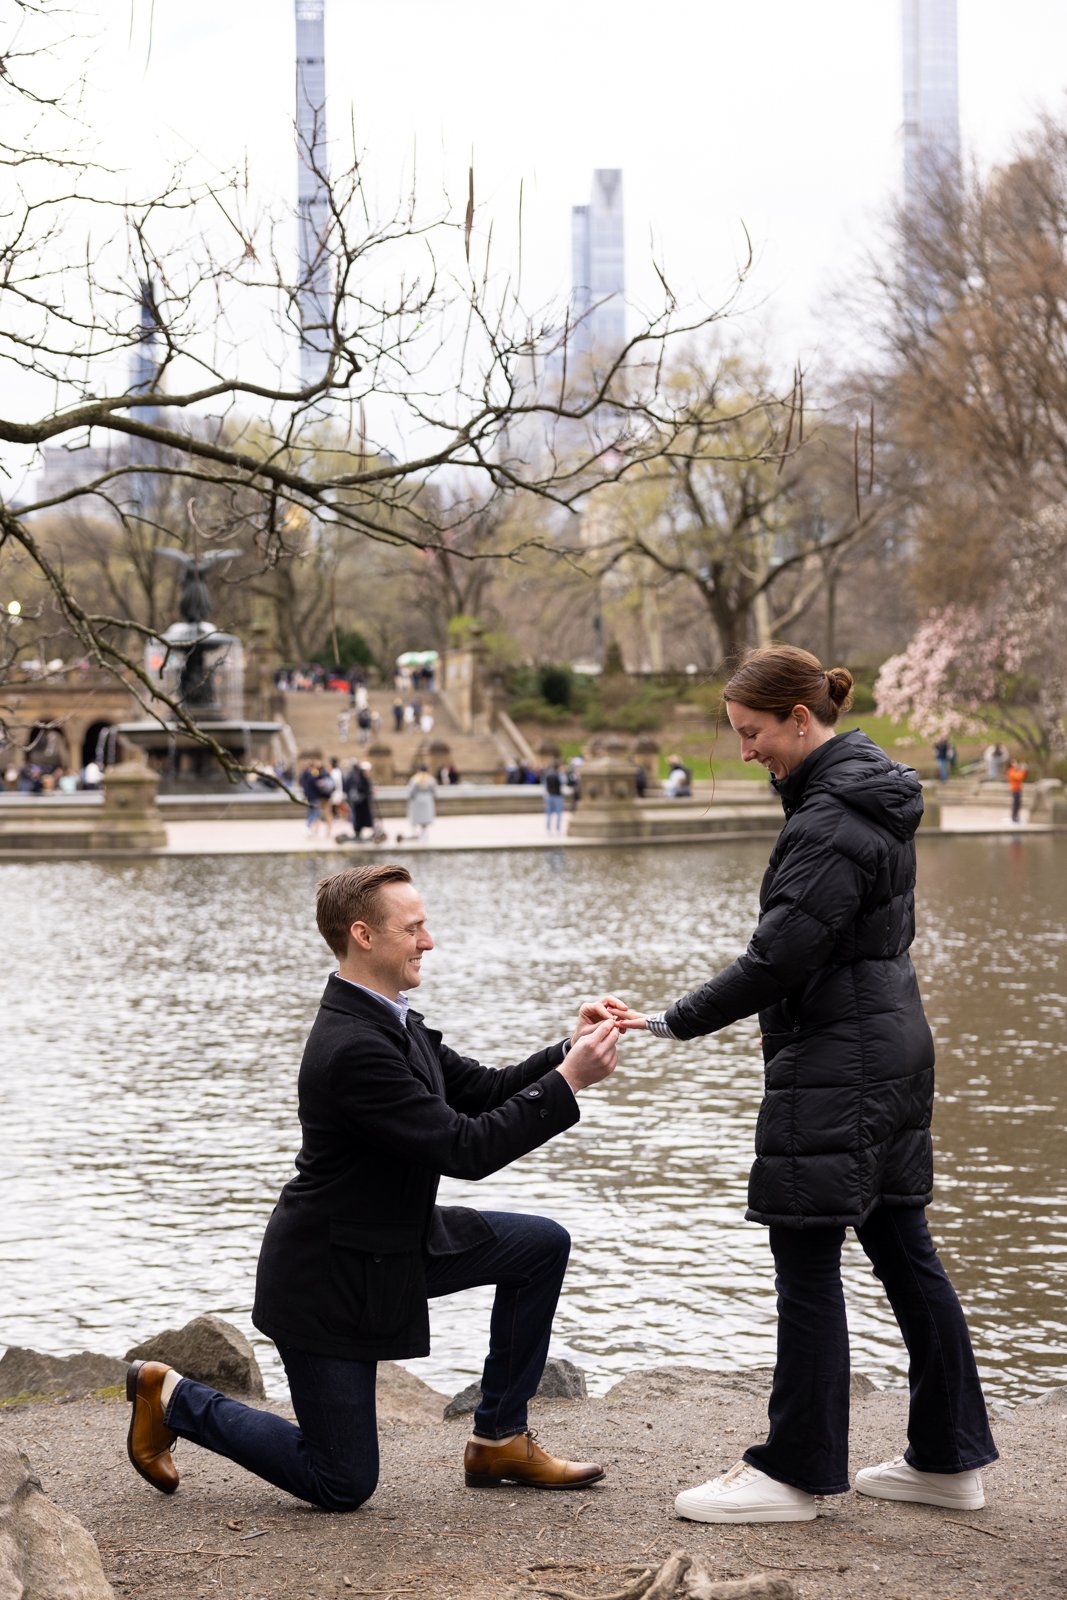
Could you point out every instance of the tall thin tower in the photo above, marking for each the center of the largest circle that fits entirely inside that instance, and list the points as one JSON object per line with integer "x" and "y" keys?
{"x": 144, "y": 379}
{"x": 598, "y": 268}
{"x": 312, "y": 204}
{"x": 931, "y": 100}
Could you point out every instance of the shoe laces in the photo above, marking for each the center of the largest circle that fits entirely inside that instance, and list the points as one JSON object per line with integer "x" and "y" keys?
{"x": 740, "y": 1472}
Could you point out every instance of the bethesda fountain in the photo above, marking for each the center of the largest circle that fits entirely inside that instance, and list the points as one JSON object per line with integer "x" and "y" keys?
{"x": 203, "y": 670}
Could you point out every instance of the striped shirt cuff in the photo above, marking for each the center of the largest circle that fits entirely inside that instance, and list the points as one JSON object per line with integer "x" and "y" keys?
{"x": 658, "y": 1025}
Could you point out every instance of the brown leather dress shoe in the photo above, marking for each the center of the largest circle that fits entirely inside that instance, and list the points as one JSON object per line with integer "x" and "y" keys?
{"x": 149, "y": 1439}
{"x": 523, "y": 1461}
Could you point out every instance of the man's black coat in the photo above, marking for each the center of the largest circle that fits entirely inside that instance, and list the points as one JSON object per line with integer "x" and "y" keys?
{"x": 385, "y": 1111}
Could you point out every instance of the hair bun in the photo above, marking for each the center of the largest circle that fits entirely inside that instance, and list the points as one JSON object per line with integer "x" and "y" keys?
{"x": 839, "y": 682}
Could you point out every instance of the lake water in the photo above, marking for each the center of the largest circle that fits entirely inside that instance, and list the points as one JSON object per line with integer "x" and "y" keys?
{"x": 154, "y": 1014}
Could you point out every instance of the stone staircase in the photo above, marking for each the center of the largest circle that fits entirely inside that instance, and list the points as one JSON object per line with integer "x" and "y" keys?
{"x": 314, "y": 717}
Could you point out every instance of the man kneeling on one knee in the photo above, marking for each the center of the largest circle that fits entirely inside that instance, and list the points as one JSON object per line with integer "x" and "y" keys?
{"x": 357, "y": 1245}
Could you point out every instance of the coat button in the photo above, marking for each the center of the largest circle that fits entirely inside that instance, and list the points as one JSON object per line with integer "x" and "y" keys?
{"x": 796, "y": 1027}
{"x": 534, "y": 1093}
{"x": 542, "y": 1113}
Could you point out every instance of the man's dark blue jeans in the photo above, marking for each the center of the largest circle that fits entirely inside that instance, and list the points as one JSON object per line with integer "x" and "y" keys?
{"x": 948, "y": 1429}
{"x": 330, "y": 1455}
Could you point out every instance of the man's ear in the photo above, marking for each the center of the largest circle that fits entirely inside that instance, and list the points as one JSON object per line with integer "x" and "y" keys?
{"x": 359, "y": 936}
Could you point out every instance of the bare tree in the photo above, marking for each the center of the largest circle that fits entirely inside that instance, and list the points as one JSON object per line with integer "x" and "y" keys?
{"x": 970, "y": 302}
{"x": 753, "y": 504}
{"x": 427, "y": 378}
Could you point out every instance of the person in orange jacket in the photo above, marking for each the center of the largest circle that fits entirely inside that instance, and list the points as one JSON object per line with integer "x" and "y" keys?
{"x": 1017, "y": 771}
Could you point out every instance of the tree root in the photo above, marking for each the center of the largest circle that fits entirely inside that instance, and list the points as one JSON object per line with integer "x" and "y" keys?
{"x": 682, "y": 1578}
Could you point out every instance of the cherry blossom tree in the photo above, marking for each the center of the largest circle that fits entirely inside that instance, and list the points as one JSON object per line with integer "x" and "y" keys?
{"x": 996, "y": 666}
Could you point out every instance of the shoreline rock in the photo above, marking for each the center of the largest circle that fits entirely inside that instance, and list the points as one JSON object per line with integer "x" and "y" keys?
{"x": 44, "y": 1551}
{"x": 211, "y": 1351}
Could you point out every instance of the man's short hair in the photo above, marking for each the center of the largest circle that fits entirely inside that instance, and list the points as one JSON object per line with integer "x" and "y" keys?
{"x": 352, "y": 896}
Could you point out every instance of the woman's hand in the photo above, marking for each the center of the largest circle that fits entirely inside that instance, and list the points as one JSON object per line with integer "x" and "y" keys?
{"x": 592, "y": 1013}
{"x": 623, "y": 1016}
{"x": 608, "y": 1007}
{"x": 595, "y": 1012}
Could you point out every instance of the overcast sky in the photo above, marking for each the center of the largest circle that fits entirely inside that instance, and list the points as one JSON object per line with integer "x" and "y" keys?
{"x": 783, "y": 115}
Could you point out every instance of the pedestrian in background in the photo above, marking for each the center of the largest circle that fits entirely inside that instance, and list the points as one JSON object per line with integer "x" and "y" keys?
{"x": 359, "y": 793}
{"x": 1017, "y": 771}
{"x": 943, "y": 757}
{"x": 552, "y": 779}
{"x": 316, "y": 785}
{"x": 422, "y": 801}
{"x": 996, "y": 758}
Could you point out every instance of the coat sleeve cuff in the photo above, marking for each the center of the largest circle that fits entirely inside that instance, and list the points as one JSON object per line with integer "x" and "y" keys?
{"x": 658, "y": 1025}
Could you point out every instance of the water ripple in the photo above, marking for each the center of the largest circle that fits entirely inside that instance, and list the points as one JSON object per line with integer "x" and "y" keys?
{"x": 155, "y": 1013}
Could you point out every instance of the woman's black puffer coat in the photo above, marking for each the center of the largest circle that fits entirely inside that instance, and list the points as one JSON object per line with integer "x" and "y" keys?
{"x": 849, "y": 1060}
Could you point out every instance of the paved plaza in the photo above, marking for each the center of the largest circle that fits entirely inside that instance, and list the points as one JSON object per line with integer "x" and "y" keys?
{"x": 525, "y": 831}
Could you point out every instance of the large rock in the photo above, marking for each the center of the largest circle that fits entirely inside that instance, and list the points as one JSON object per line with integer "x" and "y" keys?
{"x": 1050, "y": 1397}
{"x": 211, "y": 1351}
{"x": 29, "y": 1372}
{"x": 45, "y": 1554}
{"x": 685, "y": 1382}
{"x": 561, "y": 1380}
{"x": 401, "y": 1397}
{"x": 682, "y": 1382}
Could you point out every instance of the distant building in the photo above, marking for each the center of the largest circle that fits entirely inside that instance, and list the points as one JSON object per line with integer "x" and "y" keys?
{"x": 313, "y": 210}
{"x": 598, "y": 270}
{"x": 70, "y": 466}
{"x": 145, "y": 379}
{"x": 931, "y": 100}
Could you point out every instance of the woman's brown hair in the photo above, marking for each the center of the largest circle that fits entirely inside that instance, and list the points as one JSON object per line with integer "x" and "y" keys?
{"x": 778, "y": 677}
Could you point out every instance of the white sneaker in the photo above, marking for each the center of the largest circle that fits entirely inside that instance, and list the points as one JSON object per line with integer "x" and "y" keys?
{"x": 744, "y": 1494}
{"x": 896, "y": 1480}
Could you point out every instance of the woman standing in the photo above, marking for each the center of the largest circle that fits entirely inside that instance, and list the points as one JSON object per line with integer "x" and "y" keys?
{"x": 422, "y": 803}
{"x": 359, "y": 791}
{"x": 843, "y": 1134}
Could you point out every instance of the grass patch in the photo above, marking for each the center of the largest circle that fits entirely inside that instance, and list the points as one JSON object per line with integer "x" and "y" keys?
{"x": 111, "y": 1391}
{"x": 709, "y": 751}
{"x": 714, "y": 752}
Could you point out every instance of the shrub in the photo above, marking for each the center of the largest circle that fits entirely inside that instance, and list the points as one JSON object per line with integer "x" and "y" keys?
{"x": 556, "y": 684}
{"x": 531, "y": 708}
{"x": 638, "y": 713}
{"x": 352, "y": 651}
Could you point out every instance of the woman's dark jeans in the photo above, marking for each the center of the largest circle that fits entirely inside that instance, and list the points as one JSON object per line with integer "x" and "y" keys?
{"x": 807, "y": 1446}
{"x": 330, "y": 1456}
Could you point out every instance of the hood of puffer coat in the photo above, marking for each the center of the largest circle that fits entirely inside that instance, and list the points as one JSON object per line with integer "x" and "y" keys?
{"x": 860, "y": 775}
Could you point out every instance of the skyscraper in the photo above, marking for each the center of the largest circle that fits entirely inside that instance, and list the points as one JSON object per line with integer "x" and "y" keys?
{"x": 931, "y": 100}
{"x": 312, "y": 205}
{"x": 598, "y": 270}
{"x": 144, "y": 379}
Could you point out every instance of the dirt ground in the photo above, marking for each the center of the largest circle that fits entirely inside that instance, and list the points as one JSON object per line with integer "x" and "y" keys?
{"x": 227, "y": 1534}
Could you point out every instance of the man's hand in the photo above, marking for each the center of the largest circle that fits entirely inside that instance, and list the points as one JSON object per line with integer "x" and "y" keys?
{"x": 592, "y": 1014}
{"x": 592, "y": 1057}
{"x": 621, "y": 1014}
